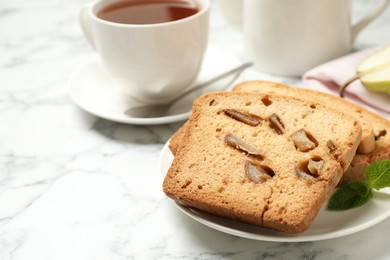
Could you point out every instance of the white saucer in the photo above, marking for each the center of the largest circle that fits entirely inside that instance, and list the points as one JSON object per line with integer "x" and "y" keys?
{"x": 91, "y": 88}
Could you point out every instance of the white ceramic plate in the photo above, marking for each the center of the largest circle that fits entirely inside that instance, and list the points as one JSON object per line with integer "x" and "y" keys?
{"x": 327, "y": 225}
{"x": 92, "y": 89}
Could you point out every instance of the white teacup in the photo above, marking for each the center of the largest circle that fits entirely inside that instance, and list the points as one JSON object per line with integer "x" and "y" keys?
{"x": 153, "y": 63}
{"x": 289, "y": 37}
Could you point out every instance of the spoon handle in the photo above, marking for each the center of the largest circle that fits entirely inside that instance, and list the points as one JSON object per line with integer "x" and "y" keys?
{"x": 147, "y": 111}
{"x": 216, "y": 78}
{"x": 225, "y": 74}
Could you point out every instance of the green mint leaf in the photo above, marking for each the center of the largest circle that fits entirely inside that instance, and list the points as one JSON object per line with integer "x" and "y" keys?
{"x": 378, "y": 174}
{"x": 357, "y": 193}
{"x": 353, "y": 195}
{"x": 361, "y": 188}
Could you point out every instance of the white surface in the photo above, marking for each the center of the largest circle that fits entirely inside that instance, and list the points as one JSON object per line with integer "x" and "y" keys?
{"x": 327, "y": 225}
{"x": 92, "y": 88}
{"x": 75, "y": 186}
{"x": 231, "y": 11}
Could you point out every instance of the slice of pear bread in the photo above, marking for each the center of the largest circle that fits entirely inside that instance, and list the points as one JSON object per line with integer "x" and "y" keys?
{"x": 375, "y": 143}
{"x": 266, "y": 160}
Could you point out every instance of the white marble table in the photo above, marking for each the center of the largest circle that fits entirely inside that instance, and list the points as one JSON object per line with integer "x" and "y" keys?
{"x": 74, "y": 186}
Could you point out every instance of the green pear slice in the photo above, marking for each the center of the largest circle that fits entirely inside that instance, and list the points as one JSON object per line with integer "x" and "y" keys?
{"x": 373, "y": 72}
{"x": 378, "y": 80}
{"x": 375, "y": 61}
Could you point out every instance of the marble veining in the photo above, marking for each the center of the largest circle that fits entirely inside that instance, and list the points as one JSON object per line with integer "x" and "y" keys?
{"x": 74, "y": 186}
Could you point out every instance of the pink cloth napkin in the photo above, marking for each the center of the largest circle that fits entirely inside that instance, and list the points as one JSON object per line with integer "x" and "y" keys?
{"x": 329, "y": 76}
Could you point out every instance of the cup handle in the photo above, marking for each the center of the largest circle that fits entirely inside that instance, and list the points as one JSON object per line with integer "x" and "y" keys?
{"x": 86, "y": 24}
{"x": 359, "y": 26}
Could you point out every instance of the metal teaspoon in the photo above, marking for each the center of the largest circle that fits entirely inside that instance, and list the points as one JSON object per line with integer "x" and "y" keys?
{"x": 161, "y": 110}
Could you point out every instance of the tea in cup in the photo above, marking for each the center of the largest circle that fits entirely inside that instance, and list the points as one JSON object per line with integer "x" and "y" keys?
{"x": 153, "y": 49}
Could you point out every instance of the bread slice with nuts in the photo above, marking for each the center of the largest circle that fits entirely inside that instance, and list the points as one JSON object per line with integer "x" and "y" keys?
{"x": 375, "y": 143}
{"x": 266, "y": 160}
